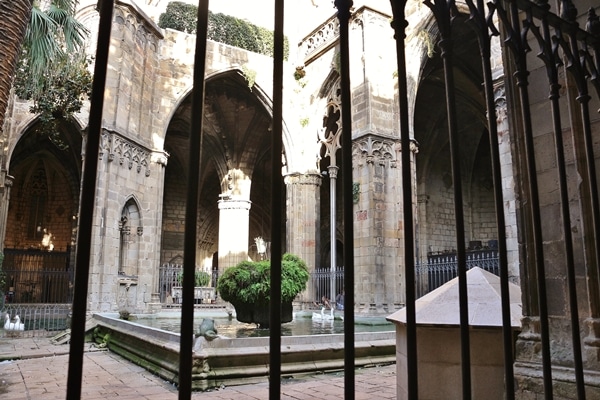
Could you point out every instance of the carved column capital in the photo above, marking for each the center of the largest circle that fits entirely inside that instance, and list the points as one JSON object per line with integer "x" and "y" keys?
{"x": 375, "y": 150}
{"x": 304, "y": 179}
{"x": 228, "y": 203}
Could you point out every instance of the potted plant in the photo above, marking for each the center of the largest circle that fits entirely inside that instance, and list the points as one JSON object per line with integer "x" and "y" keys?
{"x": 202, "y": 279}
{"x": 247, "y": 287}
{"x": 201, "y": 282}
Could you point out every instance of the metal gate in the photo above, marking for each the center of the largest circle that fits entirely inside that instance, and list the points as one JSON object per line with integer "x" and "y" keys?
{"x": 562, "y": 46}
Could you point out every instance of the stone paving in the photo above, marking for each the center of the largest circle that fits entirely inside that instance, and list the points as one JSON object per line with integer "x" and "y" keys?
{"x": 38, "y": 370}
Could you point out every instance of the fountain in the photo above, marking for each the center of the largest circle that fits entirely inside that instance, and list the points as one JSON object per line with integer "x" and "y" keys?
{"x": 233, "y": 360}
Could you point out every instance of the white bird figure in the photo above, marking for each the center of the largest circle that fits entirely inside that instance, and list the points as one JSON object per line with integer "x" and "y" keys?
{"x": 17, "y": 325}
{"x": 322, "y": 315}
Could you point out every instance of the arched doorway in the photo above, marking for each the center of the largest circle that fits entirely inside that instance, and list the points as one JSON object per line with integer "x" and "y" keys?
{"x": 42, "y": 214}
{"x": 435, "y": 228}
{"x": 235, "y": 173}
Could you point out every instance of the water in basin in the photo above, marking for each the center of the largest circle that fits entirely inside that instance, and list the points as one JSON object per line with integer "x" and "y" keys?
{"x": 302, "y": 325}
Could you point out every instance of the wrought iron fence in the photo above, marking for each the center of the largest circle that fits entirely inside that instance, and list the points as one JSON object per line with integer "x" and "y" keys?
{"x": 169, "y": 283}
{"x": 518, "y": 21}
{"x": 321, "y": 281}
{"x": 34, "y": 276}
{"x": 39, "y": 320}
{"x": 441, "y": 268}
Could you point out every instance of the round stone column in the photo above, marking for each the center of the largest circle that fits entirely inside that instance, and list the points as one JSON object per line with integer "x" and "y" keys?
{"x": 234, "y": 215}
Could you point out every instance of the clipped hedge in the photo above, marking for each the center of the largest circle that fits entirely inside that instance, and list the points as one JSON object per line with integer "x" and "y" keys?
{"x": 221, "y": 28}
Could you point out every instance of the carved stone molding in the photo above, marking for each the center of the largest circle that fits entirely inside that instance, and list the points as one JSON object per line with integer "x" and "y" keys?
{"x": 128, "y": 14}
{"x": 124, "y": 151}
{"x": 8, "y": 180}
{"x": 320, "y": 40}
{"x": 413, "y": 146}
{"x": 376, "y": 150}
{"x": 160, "y": 158}
{"x": 500, "y": 102}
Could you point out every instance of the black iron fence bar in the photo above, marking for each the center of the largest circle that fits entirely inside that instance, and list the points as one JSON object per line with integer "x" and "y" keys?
{"x": 35, "y": 259}
{"x": 551, "y": 61}
{"x": 343, "y": 15}
{"x": 440, "y": 269}
{"x": 276, "y": 206}
{"x": 399, "y": 24}
{"x": 321, "y": 282}
{"x": 88, "y": 203}
{"x": 35, "y": 276}
{"x": 41, "y": 320}
{"x": 37, "y": 286}
{"x": 516, "y": 43}
{"x": 191, "y": 209}
{"x": 479, "y": 16}
{"x": 443, "y": 11}
{"x": 170, "y": 282}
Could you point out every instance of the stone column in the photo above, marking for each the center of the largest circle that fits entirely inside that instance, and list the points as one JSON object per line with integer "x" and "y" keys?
{"x": 234, "y": 218}
{"x": 508, "y": 182}
{"x": 6, "y": 182}
{"x": 4, "y": 201}
{"x": 421, "y": 246}
{"x": 378, "y": 243}
{"x": 303, "y": 220}
{"x": 160, "y": 159}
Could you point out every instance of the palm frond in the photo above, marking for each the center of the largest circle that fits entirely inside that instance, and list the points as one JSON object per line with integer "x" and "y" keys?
{"x": 40, "y": 42}
{"x": 68, "y": 5}
{"x": 74, "y": 32}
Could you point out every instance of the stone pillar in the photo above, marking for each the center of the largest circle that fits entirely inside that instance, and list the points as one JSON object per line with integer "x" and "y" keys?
{"x": 421, "y": 246}
{"x": 378, "y": 243}
{"x": 508, "y": 182}
{"x": 152, "y": 300}
{"x": 6, "y": 182}
{"x": 234, "y": 218}
{"x": 303, "y": 220}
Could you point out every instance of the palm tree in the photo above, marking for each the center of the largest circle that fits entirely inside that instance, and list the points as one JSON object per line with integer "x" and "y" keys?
{"x": 46, "y": 34}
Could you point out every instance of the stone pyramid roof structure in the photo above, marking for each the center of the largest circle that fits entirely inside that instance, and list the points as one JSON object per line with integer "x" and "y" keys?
{"x": 441, "y": 306}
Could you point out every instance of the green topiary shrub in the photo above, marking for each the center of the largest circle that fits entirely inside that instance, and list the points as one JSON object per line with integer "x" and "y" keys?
{"x": 250, "y": 281}
{"x": 247, "y": 286}
{"x": 221, "y": 28}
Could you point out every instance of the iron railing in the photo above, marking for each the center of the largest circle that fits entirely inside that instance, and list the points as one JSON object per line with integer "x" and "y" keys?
{"x": 441, "y": 268}
{"x": 40, "y": 320}
{"x": 518, "y": 21}
{"x": 34, "y": 276}
{"x": 170, "y": 286}
{"x": 321, "y": 282}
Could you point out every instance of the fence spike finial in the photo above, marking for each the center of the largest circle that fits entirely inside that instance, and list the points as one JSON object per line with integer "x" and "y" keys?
{"x": 593, "y": 23}
{"x": 568, "y": 11}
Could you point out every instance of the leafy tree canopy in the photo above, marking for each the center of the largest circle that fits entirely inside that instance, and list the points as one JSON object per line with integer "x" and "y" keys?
{"x": 53, "y": 70}
{"x": 221, "y": 28}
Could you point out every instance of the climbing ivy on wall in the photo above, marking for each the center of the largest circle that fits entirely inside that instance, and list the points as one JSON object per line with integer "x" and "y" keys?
{"x": 221, "y": 28}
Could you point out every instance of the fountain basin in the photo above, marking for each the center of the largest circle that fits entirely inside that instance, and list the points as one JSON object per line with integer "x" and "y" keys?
{"x": 235, "y": 361}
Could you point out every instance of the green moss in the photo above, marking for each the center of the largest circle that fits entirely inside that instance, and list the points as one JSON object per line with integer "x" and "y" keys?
{"x": 249, "y": 75}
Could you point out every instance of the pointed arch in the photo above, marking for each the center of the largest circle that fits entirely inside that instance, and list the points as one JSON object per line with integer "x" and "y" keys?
{"x": 130, "y": 231}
